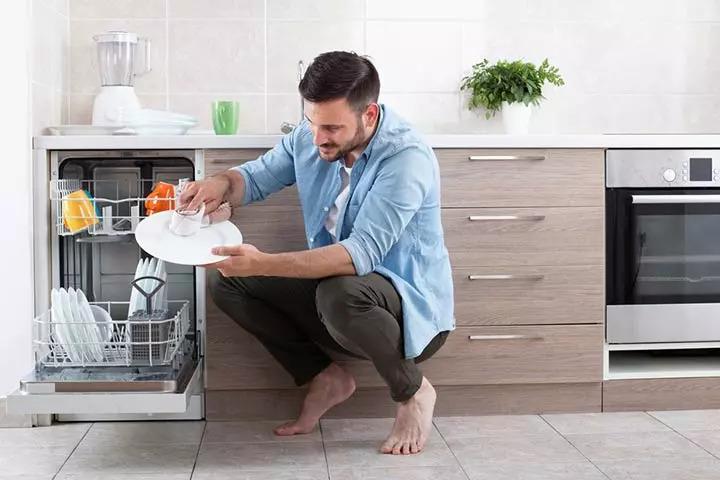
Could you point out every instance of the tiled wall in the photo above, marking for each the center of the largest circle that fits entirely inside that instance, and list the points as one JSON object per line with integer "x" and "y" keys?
{"x": 49, "y": 62}
{"x": 630, "y": 65}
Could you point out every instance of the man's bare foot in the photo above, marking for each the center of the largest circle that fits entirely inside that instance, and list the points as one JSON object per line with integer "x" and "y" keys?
{"x": 329, "y": 388}
{"x": 413, "y": 422}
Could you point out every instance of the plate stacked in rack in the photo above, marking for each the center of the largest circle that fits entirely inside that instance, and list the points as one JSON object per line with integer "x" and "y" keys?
{"x": 80, "y": 332}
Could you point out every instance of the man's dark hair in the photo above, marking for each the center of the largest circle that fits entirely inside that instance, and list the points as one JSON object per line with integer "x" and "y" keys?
{"x": 334, "y": 75}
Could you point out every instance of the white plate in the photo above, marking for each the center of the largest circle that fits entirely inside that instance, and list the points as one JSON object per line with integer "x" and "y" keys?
{"x": 79, "y": 328}
{"x": 154, "y": 236}
{"x": 99, "y": 333}
{"x": 133, "y": 291}
{"x": 85, "y": 129}
{"x": 65, "y": 328}
{"x": 60, "y": 330}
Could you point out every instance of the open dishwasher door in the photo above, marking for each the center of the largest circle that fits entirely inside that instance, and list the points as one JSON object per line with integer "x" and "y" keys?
{"x": 148, "y": 367}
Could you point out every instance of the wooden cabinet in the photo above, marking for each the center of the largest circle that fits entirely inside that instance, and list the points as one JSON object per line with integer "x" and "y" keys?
{"x": 525, "y": 233}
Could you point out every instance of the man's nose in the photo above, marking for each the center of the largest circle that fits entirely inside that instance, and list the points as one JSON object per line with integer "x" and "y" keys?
{"x": 319, "y": 138}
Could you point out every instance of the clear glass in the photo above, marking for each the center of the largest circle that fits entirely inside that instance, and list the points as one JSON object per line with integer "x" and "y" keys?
{"x": 116, "y": 62}
{"x": 676, "y": 254}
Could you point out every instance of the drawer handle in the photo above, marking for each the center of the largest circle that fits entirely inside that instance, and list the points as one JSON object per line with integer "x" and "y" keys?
{"x": 507, "y": 277}
{"x": 503, "y": 337}
{"x": 504, "y": 158}
{"x": 490, "y": 218}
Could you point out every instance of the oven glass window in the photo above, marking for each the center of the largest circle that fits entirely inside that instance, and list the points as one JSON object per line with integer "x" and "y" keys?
{"x": 675, "y": 254}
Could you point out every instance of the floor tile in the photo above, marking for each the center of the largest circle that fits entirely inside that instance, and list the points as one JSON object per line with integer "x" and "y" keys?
{"x": 59, "y": 435}
{"x": 707, "y": 439}
{"x": 515, "y": 449}
{"x": 131, "y": 459}
{"x": 150, "y": 433}
{"x": 398, "y": 473}
{"x": 362, "y": 430}
{"x": 366, "y": 454}
{"x": 663, "y": 469}
{"x": 286, "y": 474}
{"x": 470, "y": 427}
{"x": 121, "y": 476}
{"x": 235, "y": 458}
{"x": 534, "y": 471}
{"x": 32, "y": 460}
{"x": 252, "y": 432}
{"x": 686, "y": 420}
{"x": 628, "y": 446}
{"x": 592, "y": 423}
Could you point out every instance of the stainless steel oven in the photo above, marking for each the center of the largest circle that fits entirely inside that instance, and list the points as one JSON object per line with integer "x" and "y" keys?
{"x": 663, "y": 246}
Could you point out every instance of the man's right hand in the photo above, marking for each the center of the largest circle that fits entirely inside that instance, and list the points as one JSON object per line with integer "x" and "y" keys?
{"x": 211, "y": 191}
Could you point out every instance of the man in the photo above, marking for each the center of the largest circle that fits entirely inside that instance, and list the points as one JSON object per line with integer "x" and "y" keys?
{"x": 375, "y": 282}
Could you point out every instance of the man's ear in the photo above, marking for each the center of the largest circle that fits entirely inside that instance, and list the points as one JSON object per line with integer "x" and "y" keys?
{"x": 372, "y": 113}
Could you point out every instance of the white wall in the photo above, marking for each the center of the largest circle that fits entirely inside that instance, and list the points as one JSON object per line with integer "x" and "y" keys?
{"x": 15, "y": 254}
{"x": 630, "y": 65}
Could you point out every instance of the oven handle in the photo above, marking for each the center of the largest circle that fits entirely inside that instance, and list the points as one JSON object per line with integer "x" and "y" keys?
{"x": 659, "y": 199}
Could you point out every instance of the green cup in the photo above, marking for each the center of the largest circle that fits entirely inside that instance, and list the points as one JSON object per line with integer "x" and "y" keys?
{"x": 225, "y": 115}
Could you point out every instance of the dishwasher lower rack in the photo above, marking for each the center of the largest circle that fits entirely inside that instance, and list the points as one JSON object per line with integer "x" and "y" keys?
{"x": 155, "y": 341}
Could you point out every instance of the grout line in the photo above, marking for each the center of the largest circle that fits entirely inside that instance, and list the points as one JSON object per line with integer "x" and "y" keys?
{"x": 265, "y": 65}
{"x": 197, "y": 454}
{"x": 322, "y": 440}
{"x": 167, "y": 56}
{"x": 573, "y": 445}
{"x": 451, "y": 450}
{"x": 73, "y": 450}
{"x": 683, "y": 436}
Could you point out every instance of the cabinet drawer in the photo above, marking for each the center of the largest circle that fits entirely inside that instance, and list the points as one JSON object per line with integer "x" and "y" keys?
{"x": 521, "y": 177}
{"x": 272, "y": 229}
{"x": 527, "y": 354}
{"x": 529, "y": 295}
{"x": 524, "y": 236}
{"x": 217, "y": 161}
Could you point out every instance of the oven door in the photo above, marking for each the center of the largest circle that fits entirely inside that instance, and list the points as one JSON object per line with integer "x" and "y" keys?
{"x": 663, "y": 272}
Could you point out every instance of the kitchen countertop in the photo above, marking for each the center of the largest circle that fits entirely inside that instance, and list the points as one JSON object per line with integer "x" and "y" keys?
{"x": 204, "y": 141}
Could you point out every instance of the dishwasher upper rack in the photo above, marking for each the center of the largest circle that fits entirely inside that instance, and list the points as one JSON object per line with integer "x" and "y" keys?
{"x": 118, "y": 210}
{"x": 160, "y": 341}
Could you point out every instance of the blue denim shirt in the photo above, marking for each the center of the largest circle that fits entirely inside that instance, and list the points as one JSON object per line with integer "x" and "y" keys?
{"x": 390, "y": 224}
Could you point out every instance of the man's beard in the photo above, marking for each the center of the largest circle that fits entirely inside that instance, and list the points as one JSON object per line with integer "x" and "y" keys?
{"x": 357, "y": 140}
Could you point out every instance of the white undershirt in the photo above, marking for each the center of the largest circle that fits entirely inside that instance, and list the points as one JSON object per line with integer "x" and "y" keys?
{"x": 342, "y": 198}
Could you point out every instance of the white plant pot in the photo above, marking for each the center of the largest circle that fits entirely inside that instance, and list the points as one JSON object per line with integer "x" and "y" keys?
{"x": 516, "y": 118}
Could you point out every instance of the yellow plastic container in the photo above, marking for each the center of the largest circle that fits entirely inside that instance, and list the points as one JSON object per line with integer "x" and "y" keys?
{"x": 78, "y": 211}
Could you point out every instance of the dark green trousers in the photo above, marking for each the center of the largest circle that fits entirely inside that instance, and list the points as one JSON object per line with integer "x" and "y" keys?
{"x": 298, "y": 320}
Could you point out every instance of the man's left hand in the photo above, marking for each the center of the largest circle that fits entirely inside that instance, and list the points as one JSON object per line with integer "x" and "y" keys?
{"x": 245, "y": 261}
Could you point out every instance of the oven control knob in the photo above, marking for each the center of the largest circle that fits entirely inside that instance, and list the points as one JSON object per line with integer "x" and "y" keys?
{"x": 669, "y": 175}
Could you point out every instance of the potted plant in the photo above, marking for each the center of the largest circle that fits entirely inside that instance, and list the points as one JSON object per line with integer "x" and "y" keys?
{"x": 511, "y": 87}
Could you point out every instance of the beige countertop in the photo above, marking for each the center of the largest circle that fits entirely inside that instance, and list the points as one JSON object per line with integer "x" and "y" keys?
{"x": 205, "y": 141}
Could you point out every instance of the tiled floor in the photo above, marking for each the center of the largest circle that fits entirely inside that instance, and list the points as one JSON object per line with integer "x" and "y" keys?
{"x": 655, "y": 445}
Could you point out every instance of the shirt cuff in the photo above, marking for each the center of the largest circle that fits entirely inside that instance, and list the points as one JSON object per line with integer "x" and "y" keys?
{"x": 247, "y": 178}
{"x": 360, "y": 258}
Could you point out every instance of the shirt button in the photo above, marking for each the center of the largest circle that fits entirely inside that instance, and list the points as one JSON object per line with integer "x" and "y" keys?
{"x": 311, "y": 239}
{"x": 326, "y": 209}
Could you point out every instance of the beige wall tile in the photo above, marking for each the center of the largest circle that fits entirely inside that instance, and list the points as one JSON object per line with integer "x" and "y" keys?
{"x": 49, "y": 45}
{"x": 84, "y": 76}
{"x": 428, "y": 112}
{"x": 416, "y": 56}
{"x": 289, "y": 42}
{"x": 117, "y": 9}
{"x": 209, "y": 56}
{"x": 330, "y": 10}
{"x": 282, "y": 108}
{"x": 242, "y": 9}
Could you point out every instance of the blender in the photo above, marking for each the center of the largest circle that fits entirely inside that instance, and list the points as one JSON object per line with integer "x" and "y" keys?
{"x": 117, "y": 64}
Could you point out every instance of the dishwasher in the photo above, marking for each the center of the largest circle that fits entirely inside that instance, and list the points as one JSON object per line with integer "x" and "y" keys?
{"x": 144, "y": 370}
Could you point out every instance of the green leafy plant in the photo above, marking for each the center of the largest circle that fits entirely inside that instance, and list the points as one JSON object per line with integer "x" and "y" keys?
{"x": 512, "y": 82}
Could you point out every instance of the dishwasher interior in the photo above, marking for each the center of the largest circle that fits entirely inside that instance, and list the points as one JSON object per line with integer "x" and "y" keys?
{"x": 141, "y": 362}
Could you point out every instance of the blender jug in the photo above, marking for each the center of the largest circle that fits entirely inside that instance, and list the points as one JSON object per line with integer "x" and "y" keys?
{"x": 117, "y": 58}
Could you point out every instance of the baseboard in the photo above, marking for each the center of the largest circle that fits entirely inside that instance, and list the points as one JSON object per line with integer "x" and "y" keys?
{"x": 13, "y": 421}
{"x": 280, "y": 404}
